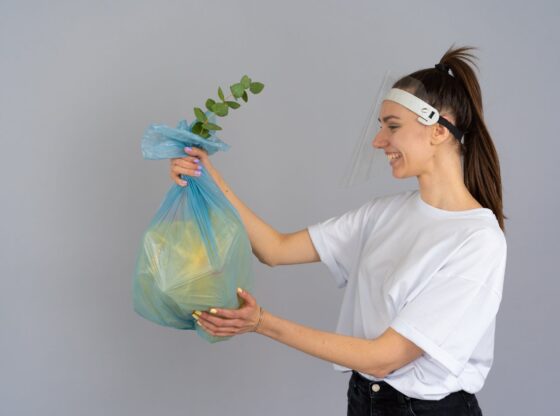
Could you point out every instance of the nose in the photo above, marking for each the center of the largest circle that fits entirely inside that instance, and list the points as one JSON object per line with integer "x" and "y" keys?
{"x": 379, "y": 141}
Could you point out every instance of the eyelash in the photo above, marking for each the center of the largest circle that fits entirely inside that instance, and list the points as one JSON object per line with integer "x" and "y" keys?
{"x": 391, "y": 127}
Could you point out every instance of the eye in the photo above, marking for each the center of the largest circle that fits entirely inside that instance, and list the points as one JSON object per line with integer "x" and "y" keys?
{"x": 379, "y": 126}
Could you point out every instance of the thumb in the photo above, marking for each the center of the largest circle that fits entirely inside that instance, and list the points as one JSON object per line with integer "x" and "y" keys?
{"x": 246, "y": 296}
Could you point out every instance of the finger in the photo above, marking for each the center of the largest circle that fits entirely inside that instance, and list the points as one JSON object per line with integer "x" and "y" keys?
{"x": 176, "y": 177}
{"x": 215, "y": 329}
{"x": 220, "y": 322}
{"x": 201, "y": 324}
{"x": 246, "y": 296}
{"x": 224, "y": 331}
{"x": 220, "y": 333}
{"x": 195, "y": 151}
{"x": 190, "y": 162}
{"x": 226, "y": 313}
{"x": 184, "y": 168}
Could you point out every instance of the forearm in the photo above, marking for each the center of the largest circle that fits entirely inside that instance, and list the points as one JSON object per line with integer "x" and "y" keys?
{"x": 359, "y": 354}
{"x": 264, "y": 238}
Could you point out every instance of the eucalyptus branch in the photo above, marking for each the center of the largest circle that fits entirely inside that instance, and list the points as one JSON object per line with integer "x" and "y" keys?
{"x": 239, "y": 90}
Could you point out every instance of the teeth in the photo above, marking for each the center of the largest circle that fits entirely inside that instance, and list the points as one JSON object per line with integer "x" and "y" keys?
{"x": 392, "y": 156}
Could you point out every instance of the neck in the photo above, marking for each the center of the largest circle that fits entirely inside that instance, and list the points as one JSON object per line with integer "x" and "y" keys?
{"x": 443, "y": 187}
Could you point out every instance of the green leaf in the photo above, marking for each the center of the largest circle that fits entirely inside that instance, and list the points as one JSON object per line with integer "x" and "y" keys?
{"x": 220, "y": 109}
{"x": 221, "y": 93}
{"x": 256, "y": 87}
{"x": 245, "y": 96}
{"x": 209, "y": 103}
{"x": 237, "y": 90}
{"x": 197, "y": 128}
{"x": 245, "y": 81}
{"x": 204, "y": 133}
{"x": 212, "y": 126}
{"x": 233, "y": 104}
{"x": 200, "y": 116}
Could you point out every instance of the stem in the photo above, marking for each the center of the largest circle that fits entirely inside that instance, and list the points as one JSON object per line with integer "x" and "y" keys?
{"x": 225, "y": 99}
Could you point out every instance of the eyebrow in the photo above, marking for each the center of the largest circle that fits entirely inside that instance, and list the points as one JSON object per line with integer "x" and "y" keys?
{"x": 385, "y": 119}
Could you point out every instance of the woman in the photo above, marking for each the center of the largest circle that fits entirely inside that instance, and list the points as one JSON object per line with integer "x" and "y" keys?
{"x": 423, "y": 269}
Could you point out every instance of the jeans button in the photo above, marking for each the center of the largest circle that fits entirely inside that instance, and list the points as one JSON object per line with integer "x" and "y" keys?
{"x": 375, "y": 387}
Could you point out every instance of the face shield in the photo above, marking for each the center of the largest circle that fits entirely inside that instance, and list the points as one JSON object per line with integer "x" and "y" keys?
{"x": 368, "y": 164}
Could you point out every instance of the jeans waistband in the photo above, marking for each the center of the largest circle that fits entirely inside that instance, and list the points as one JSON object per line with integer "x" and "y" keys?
{"x": 383, "y": 391}
{"x": 380, "y": 390}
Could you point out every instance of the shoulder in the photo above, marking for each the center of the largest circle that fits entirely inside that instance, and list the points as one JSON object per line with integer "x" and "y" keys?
{"x": 481, "y": 257}
{"x": 487, "y": 238}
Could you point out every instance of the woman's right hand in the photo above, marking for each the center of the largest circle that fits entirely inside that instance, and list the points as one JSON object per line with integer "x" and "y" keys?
{"x": 189, "y": 165}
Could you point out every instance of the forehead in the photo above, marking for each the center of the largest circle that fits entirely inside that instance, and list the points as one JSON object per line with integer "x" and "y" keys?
{"x": 391, "y": 108}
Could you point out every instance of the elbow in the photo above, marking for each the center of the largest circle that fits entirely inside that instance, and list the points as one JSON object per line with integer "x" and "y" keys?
{"x": 267, "y": 262}
{"x": 263, "y": 260}
{"x": 378, "y": 369}
{"x": 378, "y": 373}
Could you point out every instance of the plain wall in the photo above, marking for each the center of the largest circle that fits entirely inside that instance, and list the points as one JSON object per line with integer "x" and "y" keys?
{"x": 80, "y": 82}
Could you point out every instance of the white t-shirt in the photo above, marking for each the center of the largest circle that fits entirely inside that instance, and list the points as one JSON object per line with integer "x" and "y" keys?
{"x": 434, "y": 276}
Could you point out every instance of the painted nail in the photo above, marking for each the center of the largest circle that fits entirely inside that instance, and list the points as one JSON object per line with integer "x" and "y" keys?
{"x": 196, "y": 161}
{"x": 188, "y": 149}
{"x": 199, "y": 167}
{"x": 198, "y": 173}
{"x": 213, "y": 311}
{"x": 197, "y": 313}
{"x": 195, "y": 316}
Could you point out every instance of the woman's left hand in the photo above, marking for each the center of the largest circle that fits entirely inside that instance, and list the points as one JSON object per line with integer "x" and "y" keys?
{"x": 228, "y": 322}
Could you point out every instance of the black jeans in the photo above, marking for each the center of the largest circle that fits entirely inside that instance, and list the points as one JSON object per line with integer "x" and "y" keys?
{"x": 377, "y": 398}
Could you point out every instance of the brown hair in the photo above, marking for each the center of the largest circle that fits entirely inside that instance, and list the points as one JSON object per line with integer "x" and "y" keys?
{"x": 459, "y": 94}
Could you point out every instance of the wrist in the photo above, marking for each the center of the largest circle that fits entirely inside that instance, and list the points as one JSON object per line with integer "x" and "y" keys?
{"x": 259, "y": 325}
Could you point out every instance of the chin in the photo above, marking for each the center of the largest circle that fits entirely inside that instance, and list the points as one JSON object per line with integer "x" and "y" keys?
{"x": 399, "y": 175}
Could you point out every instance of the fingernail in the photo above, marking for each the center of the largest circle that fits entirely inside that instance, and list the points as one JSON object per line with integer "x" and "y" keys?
{"x": 197, "y": 313}
{"x": 196, "y": 161}
{"x": 239, "y": 290}
{"x": 199, "y": 167}
{"x": 188, "y": 149}
{"x": 183, "y": 183}
{"x": 198, "y": 173}
{"x": 213, "y": 310}
{"x": 195, "y": 316}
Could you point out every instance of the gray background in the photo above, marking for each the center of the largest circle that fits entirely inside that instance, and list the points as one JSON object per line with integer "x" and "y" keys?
{"x": 79, "y": 83}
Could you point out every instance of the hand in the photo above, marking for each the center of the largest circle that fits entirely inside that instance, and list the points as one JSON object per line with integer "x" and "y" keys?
{"x": 189, "y": 165}
{"x": 228, "y": 322}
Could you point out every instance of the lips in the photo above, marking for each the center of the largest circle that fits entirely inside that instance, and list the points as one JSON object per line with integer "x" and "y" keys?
{"x": 393, "y": 155}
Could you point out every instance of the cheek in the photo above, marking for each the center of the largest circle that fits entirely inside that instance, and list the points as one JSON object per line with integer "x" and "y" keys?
{"x": 415, "y": 152}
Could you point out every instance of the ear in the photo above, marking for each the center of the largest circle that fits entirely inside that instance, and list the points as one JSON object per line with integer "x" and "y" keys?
{"x": 440, "y": 133}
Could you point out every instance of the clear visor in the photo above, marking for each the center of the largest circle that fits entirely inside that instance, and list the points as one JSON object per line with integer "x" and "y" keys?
{"x": 368, "y": 164}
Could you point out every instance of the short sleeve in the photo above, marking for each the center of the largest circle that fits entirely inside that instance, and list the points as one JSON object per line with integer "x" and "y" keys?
{"x": 450, "y": 315}
{"x": 338, "y": 241}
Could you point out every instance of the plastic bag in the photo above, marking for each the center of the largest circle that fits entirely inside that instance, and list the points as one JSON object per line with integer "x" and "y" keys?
{"x": 196, "y": 252}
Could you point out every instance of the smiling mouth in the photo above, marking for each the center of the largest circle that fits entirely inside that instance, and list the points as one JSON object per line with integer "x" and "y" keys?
{"x": 393, "y": 156}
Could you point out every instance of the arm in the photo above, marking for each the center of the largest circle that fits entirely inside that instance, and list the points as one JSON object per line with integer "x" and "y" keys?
{"x": 379, "y": 356}
{"x": 269, "y": 246}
